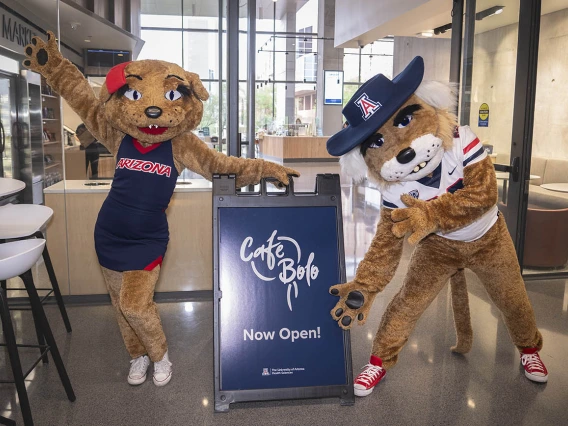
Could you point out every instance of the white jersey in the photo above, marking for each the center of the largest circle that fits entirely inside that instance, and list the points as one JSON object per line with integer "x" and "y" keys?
{"x": 448, "y": 177}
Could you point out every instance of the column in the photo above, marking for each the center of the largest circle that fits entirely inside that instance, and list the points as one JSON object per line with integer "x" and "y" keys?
{"x": 291, "y": 45}
{"x": 328, "y": 117}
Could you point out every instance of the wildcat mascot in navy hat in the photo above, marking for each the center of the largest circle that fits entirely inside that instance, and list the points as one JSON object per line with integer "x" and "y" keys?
{"x": 439, "y": 186}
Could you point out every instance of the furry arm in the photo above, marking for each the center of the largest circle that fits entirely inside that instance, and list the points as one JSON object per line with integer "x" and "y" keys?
{"x": 375, "y": 271}
{"x": 381, "y": 260}
{"x": 449, "y": 212}
{"x": 194, "y": 154}
{"x": 69, "y": 82}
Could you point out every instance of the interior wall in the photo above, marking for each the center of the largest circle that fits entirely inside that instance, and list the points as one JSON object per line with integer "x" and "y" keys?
{"x": 493, "y": 83}
{"x": 436, "y": 54}
{"x": 494, "y": 63}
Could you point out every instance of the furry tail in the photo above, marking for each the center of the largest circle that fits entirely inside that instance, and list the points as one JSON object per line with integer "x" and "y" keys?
{"x": 462, "y": 318}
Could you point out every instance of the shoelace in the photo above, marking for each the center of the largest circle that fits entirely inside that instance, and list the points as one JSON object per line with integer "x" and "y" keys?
{"x": 139, "y": 365}
{"x": 370, "y": 373}
{"x": 533, "y": 362}
{"x": 162, "y": 366}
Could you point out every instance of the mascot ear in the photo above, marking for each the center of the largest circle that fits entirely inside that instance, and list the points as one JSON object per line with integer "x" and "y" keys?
{"x": 197, "y": 86}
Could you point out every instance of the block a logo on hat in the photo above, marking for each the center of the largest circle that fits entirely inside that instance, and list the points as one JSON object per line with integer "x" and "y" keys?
{"x": 368, "y": 106}
{"x": 366, "y": 114}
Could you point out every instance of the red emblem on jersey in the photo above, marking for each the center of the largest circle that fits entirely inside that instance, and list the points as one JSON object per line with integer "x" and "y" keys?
{"x": 367, "y": 106}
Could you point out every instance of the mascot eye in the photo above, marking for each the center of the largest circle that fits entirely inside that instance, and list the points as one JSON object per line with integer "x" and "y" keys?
{"x": 172, "y": 95}
{"x": 377, "y": 143}
{"x": 405, "y": 121}
{"x": 133, "y": 95}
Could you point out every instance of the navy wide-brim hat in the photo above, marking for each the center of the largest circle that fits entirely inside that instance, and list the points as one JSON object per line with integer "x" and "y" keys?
{"x": 373, "y": 104}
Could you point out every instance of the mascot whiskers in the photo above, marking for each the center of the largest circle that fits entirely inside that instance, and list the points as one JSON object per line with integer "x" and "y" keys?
{"x": 438, "y": 186}
{"x": 143, "y": 115}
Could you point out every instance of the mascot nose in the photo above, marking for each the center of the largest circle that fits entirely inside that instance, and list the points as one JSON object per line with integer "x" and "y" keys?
{"x": 153, "y": 112}
{"x": 406, "y": 156}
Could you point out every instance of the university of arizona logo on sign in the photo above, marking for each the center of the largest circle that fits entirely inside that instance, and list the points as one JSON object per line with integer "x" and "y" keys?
{"x": 367, "y": 106}
{"x": 414, "y": 193}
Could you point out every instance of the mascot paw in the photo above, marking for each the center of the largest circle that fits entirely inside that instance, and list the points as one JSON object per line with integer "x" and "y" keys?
{"x": 354, "y": 303}
{"x": 42, "y": 56}
{"x": 278, "y": 172}
{"x": 414, "y": 220}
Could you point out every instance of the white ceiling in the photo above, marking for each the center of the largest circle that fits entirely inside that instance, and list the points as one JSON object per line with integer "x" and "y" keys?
{"x": 102, "y": 33}
{"x": 210, "y": 7}
{"x": 437, "y": 17}
{"x": 430, "y": 14}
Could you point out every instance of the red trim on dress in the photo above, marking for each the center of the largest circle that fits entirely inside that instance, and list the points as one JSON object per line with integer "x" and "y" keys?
{"x": 471, "y": 146}
{"x": 155, "y": 263}
{"x": 145, "y": 149}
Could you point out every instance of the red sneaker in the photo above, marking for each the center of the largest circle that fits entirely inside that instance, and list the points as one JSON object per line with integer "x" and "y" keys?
{"x": 370, "y": 377}
{"x": 534, "y": 367}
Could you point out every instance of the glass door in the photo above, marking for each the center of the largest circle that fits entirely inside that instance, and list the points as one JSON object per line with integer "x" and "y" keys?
{"x": 8, "y": 165}
{"x": 488, "y": 82}
{"x": 545, "y": 248}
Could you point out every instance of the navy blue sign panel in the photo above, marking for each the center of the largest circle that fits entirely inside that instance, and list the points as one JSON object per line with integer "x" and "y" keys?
{"x": 275, "y": 258}
{"x": 275, "y": 275}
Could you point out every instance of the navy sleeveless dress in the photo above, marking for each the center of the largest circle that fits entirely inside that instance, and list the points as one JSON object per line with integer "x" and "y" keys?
{"x": 131, "y": 232}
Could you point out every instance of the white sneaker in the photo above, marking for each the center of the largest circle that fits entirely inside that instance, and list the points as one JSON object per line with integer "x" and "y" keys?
{"x": 138, "y": 368}
{"x": 162, "y": 371}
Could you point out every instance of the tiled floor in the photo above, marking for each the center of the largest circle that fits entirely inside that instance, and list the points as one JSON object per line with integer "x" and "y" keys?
{"x": 429, "y": 386}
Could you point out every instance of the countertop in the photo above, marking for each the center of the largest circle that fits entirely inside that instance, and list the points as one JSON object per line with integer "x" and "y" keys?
{"x": 79, "y": 187}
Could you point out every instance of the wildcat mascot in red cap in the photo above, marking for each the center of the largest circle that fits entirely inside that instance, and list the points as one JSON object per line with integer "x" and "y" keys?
{"x": 144, "y": 115}
{"x": 438, "y": 185}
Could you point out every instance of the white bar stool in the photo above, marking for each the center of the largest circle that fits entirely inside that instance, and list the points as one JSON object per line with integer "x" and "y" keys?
{"x": 16, "y": 259}
{"x": 10, "y": 186}
{"x": 22, "y": 221}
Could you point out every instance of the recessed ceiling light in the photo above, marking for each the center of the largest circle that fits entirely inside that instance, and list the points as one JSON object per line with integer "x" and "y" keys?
{"x": 87, "y": 40}
{"x": 425, "y": 34}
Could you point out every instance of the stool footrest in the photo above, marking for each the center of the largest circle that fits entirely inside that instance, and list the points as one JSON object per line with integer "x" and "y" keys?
{"x": 26, "y": 346}
{"x": 27, "y": 373}
{"x": 24, "y": 289}
{"x": 23, "y": 306}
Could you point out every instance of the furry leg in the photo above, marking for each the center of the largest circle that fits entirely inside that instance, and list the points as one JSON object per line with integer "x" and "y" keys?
{"x": 113, "y": 280}
{"x": 462, "y": 318}
{"x": 426, "y": 276}
{"x": 495, "y": 263}
{"x": 139, "y": 309}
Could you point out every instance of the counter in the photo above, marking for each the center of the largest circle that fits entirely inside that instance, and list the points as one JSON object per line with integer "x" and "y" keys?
{"x": 188, "y": 264}
{"x": 288, "y": 149}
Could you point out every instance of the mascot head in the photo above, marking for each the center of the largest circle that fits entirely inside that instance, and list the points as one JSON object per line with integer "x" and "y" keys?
{"x": 398, "y": 130}
{"x": 153, "y": 101}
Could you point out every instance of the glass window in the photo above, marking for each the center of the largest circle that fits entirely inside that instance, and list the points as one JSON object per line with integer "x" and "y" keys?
{"x": 351, "y": 65}
{"x": 160, "y": 21}
{"x": 164, "y": 45}
{"x": 375, "y": 58}
{"x": 348, "y": 92}
{"x": 307, "y": 17}
{"x": 201, "y": 53}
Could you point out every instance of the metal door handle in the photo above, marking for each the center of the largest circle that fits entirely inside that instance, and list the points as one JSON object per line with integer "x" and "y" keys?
{"x": 2, "y": 138}
{"x": 513, "y": 169}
